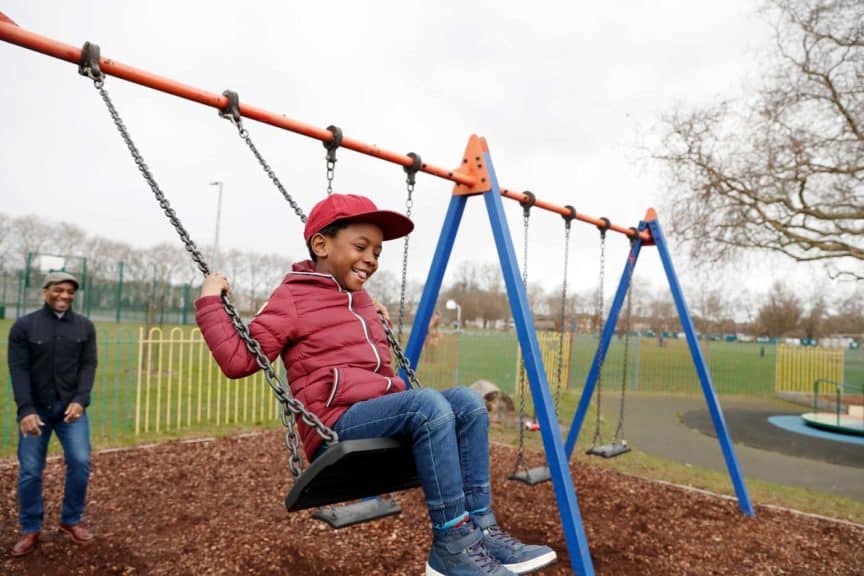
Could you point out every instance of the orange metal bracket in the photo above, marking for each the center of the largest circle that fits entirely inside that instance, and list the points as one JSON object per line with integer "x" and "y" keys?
{"x": 650, "y": 216}
{"x": 474, "y": 167}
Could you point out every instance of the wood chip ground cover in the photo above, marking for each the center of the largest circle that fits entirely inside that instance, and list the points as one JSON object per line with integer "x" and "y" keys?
{"x": 216, "y": 508}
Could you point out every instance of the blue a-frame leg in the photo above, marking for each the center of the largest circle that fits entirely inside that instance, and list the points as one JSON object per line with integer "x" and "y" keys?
{"x": 653, "y": 225}
{"x": 574, "y": 531}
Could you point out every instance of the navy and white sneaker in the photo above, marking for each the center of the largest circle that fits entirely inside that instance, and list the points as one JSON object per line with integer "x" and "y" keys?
{"x": 461, "y": 552}
{"x": 511, "y": 553}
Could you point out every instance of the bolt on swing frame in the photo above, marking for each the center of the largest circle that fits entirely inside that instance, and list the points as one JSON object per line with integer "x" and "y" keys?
{"x": 474, "y": 177}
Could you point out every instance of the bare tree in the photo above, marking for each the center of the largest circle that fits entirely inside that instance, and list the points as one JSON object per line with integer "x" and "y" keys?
{"x": 813, "y": 325}
{"x": 385, "y": 287}
{"x": 848, "y": 319}
{"x": 785, "y": 171}
{"x": 6, "y": 229}
{"x": 780, "y": 313}
{"x": 29, "y": 234}
{"x": 662, "y": 314}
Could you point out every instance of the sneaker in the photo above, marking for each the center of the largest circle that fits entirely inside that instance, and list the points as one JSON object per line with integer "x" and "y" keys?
{"x": 511, "y": 553}
{"x": 461, "y": 552}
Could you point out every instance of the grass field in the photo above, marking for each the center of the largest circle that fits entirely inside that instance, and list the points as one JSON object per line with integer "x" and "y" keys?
{"x": 736, "y": 368}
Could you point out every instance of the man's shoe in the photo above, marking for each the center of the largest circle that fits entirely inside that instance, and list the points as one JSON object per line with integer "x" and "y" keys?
{"x": 78, "y": 533}
{"x": 511, "y": 553}
{"x": 460, "y": 552}
{"x": 25, "y": 544}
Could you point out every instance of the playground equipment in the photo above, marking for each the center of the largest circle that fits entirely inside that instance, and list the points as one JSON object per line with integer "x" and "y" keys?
{"x": 521, "y": 472}
{"x": 847, "y": 417}
{"x": 475, "y": 177}
{"x": 615, "y": 447}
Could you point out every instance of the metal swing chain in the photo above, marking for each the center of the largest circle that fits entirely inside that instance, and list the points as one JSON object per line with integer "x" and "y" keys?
{"x": 330, "y": 159}
{"x": 291, "y": 407}
{"x": 232, "y": 113}
{"x": 410, "y": 180}
{"x": 526, "y": 215}
{"x": 568, "y": 220}
{"x": 601, "y": 325}
{"x": 619, "y": 430}
{"x": 401, "y": 358}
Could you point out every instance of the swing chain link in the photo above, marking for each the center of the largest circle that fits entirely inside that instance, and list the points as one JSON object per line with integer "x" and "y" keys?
{"x": 410, "y": 180}
{"x": 600, "y": 324}
{"x": 290, "y": 406}
{"x": 568, "y": 220}
{"x": 526, "y": 203}
{"x": 401, "y": 358}
{"x": 619, "y": 430}
{"x": 231, "y": 112}
{"x": 330, "y": 158}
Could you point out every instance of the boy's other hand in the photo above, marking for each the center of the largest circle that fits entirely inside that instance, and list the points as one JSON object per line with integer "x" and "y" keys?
{"x": 214, "y": 285}
{"x": 381, "y": 309}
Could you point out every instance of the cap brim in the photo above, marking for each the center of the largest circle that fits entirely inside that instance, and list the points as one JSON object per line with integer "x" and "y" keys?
{"x": 393, "y": 224}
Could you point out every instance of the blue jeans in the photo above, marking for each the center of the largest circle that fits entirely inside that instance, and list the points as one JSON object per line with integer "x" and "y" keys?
{"x": 75, "y": 439}
{"x": 449, "y": 433}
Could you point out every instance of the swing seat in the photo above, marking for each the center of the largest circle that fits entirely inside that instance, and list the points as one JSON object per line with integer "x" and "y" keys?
{"x": 532, "y": 476}
{"x": 357, "y": 512}
{"x": 354, "y": 469}
{"x": 609, "y": 450}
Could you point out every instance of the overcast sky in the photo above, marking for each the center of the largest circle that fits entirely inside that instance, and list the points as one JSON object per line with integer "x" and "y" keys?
{"x": 567, "y": 94}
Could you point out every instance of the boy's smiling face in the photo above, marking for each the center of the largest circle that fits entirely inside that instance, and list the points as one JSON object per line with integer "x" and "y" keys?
{"x": 351, "y": 256}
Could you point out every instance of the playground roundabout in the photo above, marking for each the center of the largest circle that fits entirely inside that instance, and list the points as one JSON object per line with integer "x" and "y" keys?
{"x": 215, "y": 507}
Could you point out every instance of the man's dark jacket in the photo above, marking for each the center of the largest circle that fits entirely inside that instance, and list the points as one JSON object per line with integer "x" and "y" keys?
{"x": 51, "y": 360}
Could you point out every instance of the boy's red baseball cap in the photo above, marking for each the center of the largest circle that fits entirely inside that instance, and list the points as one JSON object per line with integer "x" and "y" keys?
{"x": 354, "y": 208}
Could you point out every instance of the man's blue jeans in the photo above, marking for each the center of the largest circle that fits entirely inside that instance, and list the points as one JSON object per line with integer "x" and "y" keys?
{"x": 75, "y": 439}
{"x": 449, "y": 432}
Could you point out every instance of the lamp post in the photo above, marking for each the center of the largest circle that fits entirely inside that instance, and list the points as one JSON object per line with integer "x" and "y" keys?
{"x": 453, "y": 305}
{"x": 218, "y": 217}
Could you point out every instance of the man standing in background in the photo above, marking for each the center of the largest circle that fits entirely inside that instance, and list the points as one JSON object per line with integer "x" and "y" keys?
{"x": 52, "y": 362}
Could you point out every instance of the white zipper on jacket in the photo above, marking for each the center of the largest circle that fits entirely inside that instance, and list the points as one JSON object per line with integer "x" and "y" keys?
{"x": 335, "y": 387}
{"x": 389, "y": 384}
{"x": 365, "y": 330}
{"x": 350, "y": 309}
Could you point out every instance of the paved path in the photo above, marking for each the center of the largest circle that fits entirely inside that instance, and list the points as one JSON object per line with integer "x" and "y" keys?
{"x": 654, "y": 425}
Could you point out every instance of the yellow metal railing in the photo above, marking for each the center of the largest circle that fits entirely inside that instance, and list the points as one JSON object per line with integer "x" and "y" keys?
{"x": 180, "y": 386}
{"x": 552, "y": 346}
{"x": 798, "y": 367}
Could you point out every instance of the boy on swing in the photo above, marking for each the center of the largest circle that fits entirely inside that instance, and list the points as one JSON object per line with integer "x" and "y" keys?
{"x": 326, "y": 328}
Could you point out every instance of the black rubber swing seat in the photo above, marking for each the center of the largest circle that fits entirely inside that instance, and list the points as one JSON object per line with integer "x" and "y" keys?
{"x": 354, "y": 469}
{"x": 609, "y": 450}
{"x": 532, "y": 476}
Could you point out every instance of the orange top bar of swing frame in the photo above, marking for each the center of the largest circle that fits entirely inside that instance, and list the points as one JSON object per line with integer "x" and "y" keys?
{"x": 12, "y": 33}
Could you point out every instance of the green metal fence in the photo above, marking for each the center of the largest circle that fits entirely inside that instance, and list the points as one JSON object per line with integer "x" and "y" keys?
{"x": 109, "y": 292}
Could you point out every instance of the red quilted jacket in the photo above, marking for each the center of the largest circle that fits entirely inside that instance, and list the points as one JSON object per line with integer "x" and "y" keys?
{"x": 330, "y": 339}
